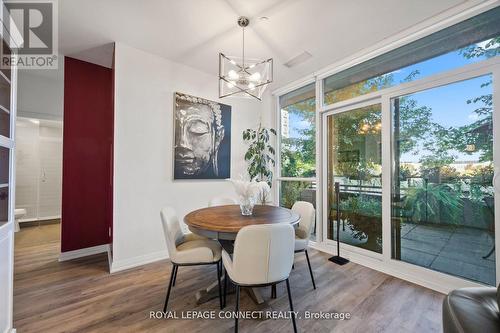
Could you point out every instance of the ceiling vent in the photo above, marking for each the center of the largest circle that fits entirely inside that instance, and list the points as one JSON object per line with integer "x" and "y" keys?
{"x": 304, "y": 56}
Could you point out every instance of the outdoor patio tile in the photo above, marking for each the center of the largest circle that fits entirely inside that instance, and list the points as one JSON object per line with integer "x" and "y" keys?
{"x": 434, "y": 231}
{"x": 462, "y": 245}
{"x": 426, "y": 237}
{"x": 468, "y": 253}
{"x": 429, "y": 247}
{"x": 463, "y": 269}
{"x": 416, "y": 257}
{"x": 478, "y": 239}
{"x": 470, "y": 231}
{"x": 406, "y": 228}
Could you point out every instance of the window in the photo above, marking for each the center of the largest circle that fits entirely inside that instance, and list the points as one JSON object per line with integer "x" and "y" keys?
{"x": 297, "y": 142}
{"x": 298, "y": 131}
{"x": 467, "y": 42}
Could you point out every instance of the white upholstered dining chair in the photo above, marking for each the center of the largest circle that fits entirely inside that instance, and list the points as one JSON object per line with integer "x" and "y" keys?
{"x": 188, "y": 250}
{"x": 221, "y": 201}
{"x": 303, "y": 231}
{"x": 263, "y": 256}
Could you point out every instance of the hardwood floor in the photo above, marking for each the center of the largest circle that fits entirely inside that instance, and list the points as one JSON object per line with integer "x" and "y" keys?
{"x": 81, "y": 296}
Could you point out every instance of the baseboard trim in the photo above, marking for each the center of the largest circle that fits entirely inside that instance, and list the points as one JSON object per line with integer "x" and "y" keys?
{"x": 434, "y": 280}
{"x": 39, "y": 219}
{"x": 121, "y": 265}
{"x": 36, "y": 223}
{"x": 110, "y": 257}
{"x": 70, "y": 255}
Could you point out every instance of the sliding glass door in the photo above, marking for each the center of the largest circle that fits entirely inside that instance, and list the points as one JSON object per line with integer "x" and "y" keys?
{"x": 415, "y": 166}
{"x": 442, "y": 197}
{"x": 354, "y": 160}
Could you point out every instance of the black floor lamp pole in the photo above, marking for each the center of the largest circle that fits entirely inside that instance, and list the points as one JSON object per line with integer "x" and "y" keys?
{"x": 338, "y": 259}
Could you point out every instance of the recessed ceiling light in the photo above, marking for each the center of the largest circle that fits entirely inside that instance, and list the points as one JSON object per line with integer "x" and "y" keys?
{"x": 263, "y": 18}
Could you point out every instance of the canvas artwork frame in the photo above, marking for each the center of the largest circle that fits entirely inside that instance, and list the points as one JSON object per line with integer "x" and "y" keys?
{"x": 202, "y": 138}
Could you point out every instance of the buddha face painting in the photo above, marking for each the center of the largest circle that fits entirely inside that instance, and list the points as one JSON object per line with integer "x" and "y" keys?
{"x": 199, "y": 133}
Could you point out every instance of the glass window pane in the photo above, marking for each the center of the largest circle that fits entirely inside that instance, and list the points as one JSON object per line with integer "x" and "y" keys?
{"x": 298, "y": 133}
{"x": 6, "y": 51}
{"x": 4, "y": 93}
{"x": 4, "y": 203}
{"x": 292, "y": 191}
{"x": 355, "y": 161}
{"x": 4, "y": 184}
{"x": 467, "y": 42}
{"x": 442, "y": 193}
{"x": 4, "y": 165}
{"x": 4, "y": 123}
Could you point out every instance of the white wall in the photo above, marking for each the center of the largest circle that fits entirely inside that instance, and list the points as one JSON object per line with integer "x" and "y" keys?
{"x": 41, "y": 93}
{"x": 143, "y": 175}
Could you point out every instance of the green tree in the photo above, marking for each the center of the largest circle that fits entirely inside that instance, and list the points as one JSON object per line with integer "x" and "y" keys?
{"x": 479, "y": 133}
{"x": 298, "y": 154}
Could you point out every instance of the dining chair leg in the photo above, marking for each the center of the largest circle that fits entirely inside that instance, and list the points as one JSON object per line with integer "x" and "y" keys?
{"x": 225, "y": 287}
{"x": 175, "y": 275}
{"x": 237, "y": 309}
{"x": 310, "y": 270}
{"x": 220, "y": 287}
{"x": 174, "y": 267}
{"x": 273, "y": 291}
{"x": 291, "y": 305}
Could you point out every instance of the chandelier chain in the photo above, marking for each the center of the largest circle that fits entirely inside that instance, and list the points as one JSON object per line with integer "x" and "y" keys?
{"x": 243, "y": 55}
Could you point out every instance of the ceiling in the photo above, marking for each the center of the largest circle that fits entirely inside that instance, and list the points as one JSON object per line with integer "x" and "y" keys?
{"x": 193, "y": 32}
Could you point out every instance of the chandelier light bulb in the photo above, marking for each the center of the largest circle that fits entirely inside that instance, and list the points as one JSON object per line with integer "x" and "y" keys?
{"x": 251, "y": 86}
{"x": 255, "y": 77}
{"x": 233, "y": 75}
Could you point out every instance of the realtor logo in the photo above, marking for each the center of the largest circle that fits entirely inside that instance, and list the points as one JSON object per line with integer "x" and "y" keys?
{"x": 34, "y": 23}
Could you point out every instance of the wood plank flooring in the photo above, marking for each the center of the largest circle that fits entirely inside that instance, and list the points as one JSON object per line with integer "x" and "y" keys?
{"x": 81, "y": 296}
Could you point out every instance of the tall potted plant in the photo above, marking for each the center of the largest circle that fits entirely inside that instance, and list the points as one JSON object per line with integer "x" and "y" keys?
{"x": 260, "y": 156}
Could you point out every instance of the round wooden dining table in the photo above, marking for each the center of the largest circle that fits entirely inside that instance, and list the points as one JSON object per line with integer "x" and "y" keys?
{"x": 224, "y": 222}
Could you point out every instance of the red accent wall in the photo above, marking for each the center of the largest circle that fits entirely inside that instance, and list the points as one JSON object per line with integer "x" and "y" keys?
{"x": 87, "y": 189}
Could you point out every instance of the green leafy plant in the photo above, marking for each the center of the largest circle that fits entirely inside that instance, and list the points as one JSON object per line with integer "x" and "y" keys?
{"x": 362, "y": 205}
{"x": 260, "y": 154}
{"x": 426, "y": 201}
{"x": 363, "y": 216}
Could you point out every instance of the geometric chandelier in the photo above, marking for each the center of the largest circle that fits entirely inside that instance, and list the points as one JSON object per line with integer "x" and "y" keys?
{"x": 244, "y": 77}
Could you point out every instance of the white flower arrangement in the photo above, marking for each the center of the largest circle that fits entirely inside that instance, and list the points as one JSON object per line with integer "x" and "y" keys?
{"x": 250, "y": 189}
{"x": 249, "y": 192}
{"x": 245, "y": 189}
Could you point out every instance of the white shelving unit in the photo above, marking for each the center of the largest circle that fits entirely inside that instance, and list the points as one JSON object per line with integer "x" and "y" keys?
{"x": 8, "y": 97}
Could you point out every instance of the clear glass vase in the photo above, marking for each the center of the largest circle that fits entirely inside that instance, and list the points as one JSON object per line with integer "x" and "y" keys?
{"x": 246, "y": 206}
